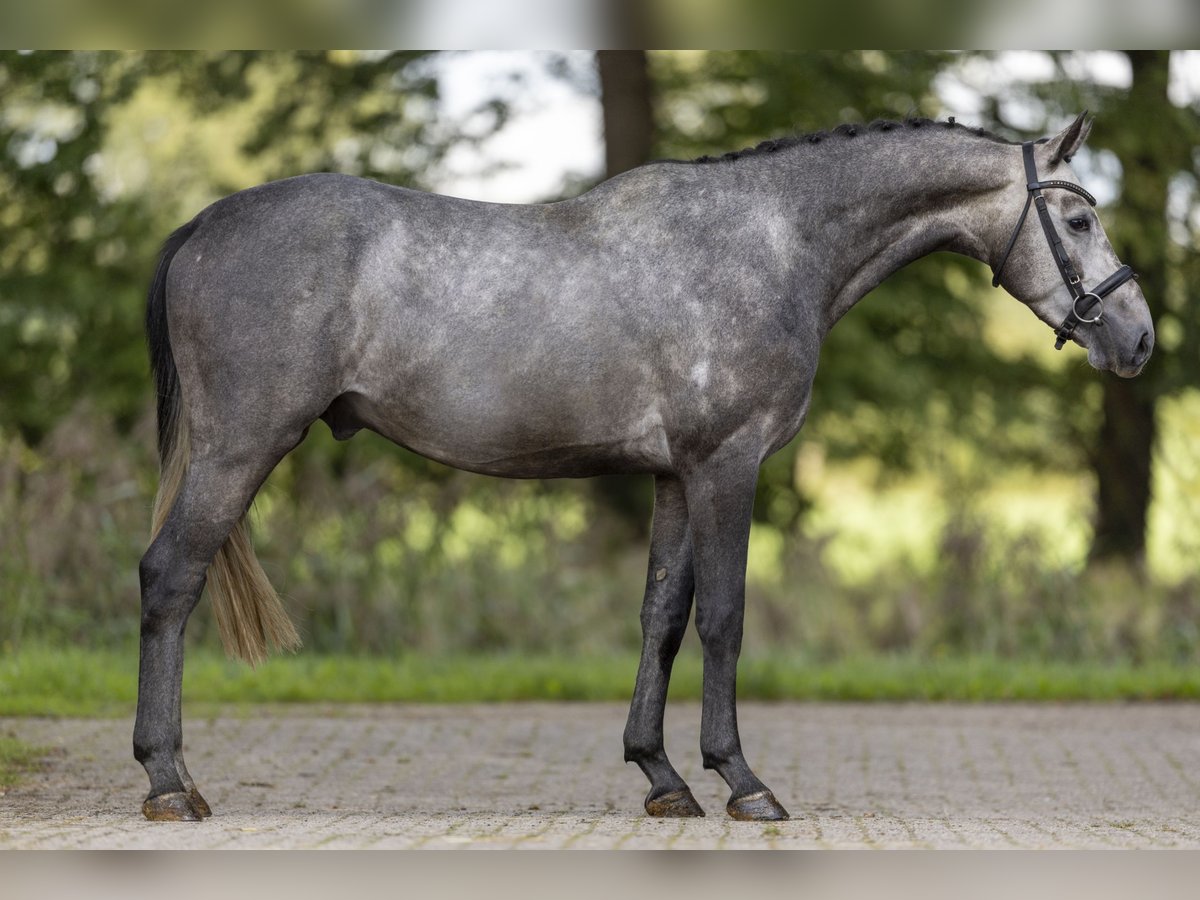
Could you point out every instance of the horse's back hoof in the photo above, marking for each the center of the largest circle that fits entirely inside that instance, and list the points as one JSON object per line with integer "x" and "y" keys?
{"x": 176, "y": 806}
{"x": 761, "y": 806}
{"x": 675, "y": 805}
{"x": 199, "y": 803}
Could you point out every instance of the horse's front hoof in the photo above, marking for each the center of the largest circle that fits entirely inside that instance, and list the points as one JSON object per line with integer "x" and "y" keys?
{"x": 761, "y": 806}
{"x": 176, "y": 806}
{"x": 675, "y": 805}
{"x": 199, "y": 803}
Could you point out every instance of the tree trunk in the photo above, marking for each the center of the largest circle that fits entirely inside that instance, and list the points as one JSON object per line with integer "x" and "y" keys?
{"x": 1122, "y": 464}
{"x": 1122, "y": 457}
{"x": 628, "y": 113}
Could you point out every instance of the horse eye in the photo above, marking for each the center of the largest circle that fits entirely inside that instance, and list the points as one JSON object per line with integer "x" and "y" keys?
{"x": 1079, "y": 224}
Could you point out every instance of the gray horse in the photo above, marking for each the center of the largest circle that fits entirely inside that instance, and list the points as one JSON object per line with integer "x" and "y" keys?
{"x": 668, "y": 321}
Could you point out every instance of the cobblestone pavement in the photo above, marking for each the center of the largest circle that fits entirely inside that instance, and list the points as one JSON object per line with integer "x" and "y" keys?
{"x": 551, "y": 775}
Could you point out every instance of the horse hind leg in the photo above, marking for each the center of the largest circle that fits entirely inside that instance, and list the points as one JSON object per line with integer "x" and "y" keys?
{"x": 214, "y": 493}
{"x": 665, "y": 612}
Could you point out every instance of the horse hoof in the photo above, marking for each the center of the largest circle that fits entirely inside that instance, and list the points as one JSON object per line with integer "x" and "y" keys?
{"x": 199, "y": 803}
{"x": 675, "y": 805}
{"x": 173, "y": 807}
{"x": 761, "y": 806}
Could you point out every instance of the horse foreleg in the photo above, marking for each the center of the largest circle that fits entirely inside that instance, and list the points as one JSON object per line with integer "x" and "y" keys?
{"x": 720, "y": 498}
{"x": 665, "y": 610}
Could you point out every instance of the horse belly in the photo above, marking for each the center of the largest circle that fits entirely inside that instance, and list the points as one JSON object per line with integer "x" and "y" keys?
{"x": 526, "y": 442}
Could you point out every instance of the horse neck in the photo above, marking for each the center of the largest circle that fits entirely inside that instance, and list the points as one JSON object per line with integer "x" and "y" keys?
{"x": 890, "y": 199}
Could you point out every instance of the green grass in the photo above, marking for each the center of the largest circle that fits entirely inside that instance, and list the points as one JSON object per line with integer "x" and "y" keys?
{"x": 73, "y": 682}
{"x": 16, "y": 758}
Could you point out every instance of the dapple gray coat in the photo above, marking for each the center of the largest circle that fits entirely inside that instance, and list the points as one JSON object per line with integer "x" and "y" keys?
{"x": 668, "y": 321}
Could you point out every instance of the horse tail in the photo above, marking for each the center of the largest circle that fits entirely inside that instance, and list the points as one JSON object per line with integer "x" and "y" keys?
{"x": 250, "y": 616}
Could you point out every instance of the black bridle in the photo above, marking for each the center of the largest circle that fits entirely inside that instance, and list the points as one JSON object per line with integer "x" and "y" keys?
{"x": 1083, "y": 301}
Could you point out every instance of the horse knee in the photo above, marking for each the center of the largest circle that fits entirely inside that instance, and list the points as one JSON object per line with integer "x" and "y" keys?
{"x": 143, "y": 747}
{"x": 638, "y": 751}
{"x": 642, "y": 744}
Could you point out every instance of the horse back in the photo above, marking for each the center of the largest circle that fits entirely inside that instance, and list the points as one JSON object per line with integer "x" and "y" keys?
{"x": 565, "y": 338}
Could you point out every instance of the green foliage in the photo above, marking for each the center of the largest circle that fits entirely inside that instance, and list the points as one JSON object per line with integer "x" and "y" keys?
{"x": 102, "y": 154}
{"x": 712, "y": 102}
{"x": 388, "y": 554}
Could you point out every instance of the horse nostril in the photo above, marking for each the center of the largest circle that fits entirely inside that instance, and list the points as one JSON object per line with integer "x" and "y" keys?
{"x": 1142, "y": 352}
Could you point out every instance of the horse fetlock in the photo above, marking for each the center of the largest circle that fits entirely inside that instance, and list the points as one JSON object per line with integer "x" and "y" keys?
{"x": 712, "y": 762}
{"x": 153, "y": 751}
{"x": 645, "y": 755}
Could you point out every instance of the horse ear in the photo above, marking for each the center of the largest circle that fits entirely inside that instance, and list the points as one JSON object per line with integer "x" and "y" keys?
{"x": 1067, "y": 142}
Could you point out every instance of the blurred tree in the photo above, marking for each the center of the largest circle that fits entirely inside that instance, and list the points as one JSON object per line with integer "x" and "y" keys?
{"x": 67, "y": 253}
{"x": 628, "y": 111}
{"x": 1154, "y": 141}
{"x": 86, "y": 206}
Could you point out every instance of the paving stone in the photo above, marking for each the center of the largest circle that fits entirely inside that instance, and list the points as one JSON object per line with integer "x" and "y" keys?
{"x": 531, "y": 775}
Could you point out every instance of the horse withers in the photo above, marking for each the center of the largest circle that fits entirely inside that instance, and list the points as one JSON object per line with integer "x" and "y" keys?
{"x": 667, "y": 321}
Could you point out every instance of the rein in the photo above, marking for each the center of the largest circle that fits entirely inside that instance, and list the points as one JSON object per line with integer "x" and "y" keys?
{"x": 1083, "y": 301}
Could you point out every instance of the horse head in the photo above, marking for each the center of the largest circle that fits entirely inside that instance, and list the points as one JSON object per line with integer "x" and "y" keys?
{"x": 1061, "y": 269}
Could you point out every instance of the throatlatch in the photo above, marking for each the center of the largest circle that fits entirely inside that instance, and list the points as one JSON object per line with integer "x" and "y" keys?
{"x": 1083, "y": 301}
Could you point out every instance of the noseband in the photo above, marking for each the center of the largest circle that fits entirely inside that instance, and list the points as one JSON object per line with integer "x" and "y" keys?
{"x": 1083, "y": 301}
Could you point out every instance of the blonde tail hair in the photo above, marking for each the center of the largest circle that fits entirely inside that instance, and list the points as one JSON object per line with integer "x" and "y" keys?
{"x": 250, "y": 616}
